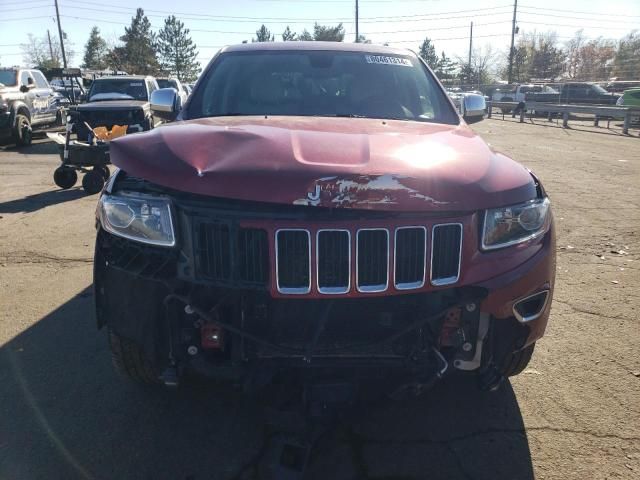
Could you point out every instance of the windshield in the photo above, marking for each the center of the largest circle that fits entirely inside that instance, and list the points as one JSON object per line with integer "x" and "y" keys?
{"x": 164, "y": 83}
{"x": 8, "y": 78}
{"x": 117, "y": 89}
{"x": 321, "y": 83}
{"x": 598, "y": 88}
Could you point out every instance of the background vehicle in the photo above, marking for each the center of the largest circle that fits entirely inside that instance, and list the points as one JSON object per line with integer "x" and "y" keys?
{"x": 26, "y": 101}
{"x": 117, "y": 100}
{"x": 619, "y": 86}
{"x": 630, "y": 98}
{"x": 575, "y": 92}
{"x": 329, "y": 209}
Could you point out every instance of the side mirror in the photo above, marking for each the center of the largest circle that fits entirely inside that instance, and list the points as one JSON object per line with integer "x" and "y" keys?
{"x": 26, "y": 88}
{"x": 165, "y": 103}
{"x": 473, "y": 107}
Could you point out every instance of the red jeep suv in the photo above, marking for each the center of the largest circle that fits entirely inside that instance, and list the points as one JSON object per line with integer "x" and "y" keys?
{"x": 320, "y": 209}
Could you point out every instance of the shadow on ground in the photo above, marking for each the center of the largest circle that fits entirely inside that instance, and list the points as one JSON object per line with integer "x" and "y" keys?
{"x": 41, "y": 146}
{"x": 65, "y": 414}
{"x": 32, "y": 203}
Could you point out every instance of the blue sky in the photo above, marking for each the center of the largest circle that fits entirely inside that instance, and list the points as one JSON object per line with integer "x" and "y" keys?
{"x": 398, "y": 22}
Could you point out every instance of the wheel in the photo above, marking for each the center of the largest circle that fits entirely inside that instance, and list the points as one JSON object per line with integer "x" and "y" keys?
{"x": 516, "y": 362}
{"x": 104, "y": 171}
{"x": 22, "y": 133}
{"x": 65, "y": 177}
{"x": 130, "y": 361}
{"x": 93, "y": 181}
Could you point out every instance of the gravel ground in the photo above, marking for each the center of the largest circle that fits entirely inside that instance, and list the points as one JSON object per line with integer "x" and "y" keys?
{"x": 573, "y": 414}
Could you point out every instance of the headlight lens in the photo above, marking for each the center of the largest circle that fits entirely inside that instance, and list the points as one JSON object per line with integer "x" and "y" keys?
{"x": 515, "y": 224}
{"x": 140, "y": 218}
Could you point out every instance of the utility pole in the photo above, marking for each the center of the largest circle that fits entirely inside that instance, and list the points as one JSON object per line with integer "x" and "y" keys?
{"x": 64, "y": 56}
{"x": 50, "y": 46}
{"x": 470, "y": 48}
{"x": 357, "y": 30}
{"x": 513, "y": 34}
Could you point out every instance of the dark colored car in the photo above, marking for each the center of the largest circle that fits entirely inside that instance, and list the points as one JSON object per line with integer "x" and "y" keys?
{"x": 117, "y": 100}
{"x": 26, "y": 102}
{"x": 575, "y": 92}
{"x": 320, "y": 209}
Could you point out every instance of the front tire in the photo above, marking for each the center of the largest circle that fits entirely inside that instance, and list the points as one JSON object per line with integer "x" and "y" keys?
{"x": 130, "y": 360}
{"x": 516, "y": 362}
{"x": 22, "y": 133}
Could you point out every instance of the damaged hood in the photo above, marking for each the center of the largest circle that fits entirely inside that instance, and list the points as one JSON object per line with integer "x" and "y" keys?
{"x": 327, "y": 162}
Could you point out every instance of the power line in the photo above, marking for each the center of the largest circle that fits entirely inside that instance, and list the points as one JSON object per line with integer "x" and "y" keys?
{"x": 266, "y": 20}
{"x": 5, "y": 10}
{"x": 599, "y": 14}
{"x": 576, "y": 18}
{"x": 19, "y": 19}
{"x": 572, "y": 26}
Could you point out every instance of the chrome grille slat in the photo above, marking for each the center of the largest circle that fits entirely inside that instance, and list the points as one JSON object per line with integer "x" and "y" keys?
{"x": 446, "y": 253}
{"x": 293, "y": 261}
{"x": 372, "y": 259}
{"x": 410, "y": 254}
{"x": 333, "y": 261}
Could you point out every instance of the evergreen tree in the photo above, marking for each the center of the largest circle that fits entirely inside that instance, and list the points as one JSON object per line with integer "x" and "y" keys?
{"x": 177, "y": 51}
{"x": 428, "y": 53}
{"x": 446, "y": 67}
{"x": 263, "y": 34}
{"x": 95, "y": 51}
{"x": 305, "y": 36}
{"x": 288, "y": 35}
{"x": 322, "y": 33}
{"x": 138, "y": 54}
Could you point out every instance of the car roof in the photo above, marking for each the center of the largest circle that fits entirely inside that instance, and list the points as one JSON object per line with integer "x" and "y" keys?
{"x": 317, "y": 46}
{"x": 124, "y": 77}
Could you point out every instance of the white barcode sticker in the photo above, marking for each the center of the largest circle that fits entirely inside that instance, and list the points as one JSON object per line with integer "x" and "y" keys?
{"x": 386, "y": 60}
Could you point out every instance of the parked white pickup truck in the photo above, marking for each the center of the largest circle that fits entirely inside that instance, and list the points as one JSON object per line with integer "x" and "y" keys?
{"x": 516, "y": 93}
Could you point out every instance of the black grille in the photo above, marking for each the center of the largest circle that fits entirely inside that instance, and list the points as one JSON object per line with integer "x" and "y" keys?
{"x": 227, "y": 255}
{"x": 445, "y": 254}
{"x": 253, "y": 255}
{"x": 410, "y": 257}
{"x": 373, "y": 260}
{"x": 213, "y": 251}
{"x": 293, "y": 261}
{"x": 333, "y": 261}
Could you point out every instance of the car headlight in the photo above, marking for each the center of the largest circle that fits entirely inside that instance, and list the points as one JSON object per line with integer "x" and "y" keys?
{"x": 506, "y": 226}
{"x": 144, "y": 219}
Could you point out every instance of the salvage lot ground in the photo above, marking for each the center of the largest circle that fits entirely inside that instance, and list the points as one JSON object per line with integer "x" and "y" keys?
{"x": 574, "y": 414}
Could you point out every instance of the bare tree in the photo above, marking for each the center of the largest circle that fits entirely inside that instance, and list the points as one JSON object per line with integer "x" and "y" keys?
{"x": 38, "y": 53}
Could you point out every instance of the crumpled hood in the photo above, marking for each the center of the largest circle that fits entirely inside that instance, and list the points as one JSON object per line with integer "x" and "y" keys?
{"x": 327, "y": 162}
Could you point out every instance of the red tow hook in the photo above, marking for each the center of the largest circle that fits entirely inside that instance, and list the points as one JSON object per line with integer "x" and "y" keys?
{"x": 211, "y": 337}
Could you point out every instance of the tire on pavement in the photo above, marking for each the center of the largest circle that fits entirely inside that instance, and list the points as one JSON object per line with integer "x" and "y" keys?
{"x": 130, "y": 360}
{"x": 517, "y": 361}
{"x": 22, "y": 133}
